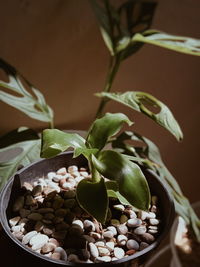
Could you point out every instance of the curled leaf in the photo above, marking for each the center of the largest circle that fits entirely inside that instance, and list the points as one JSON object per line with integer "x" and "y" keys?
{"x": 137, "y": 100}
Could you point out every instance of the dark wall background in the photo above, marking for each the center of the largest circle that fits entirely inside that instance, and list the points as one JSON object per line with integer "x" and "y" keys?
{"x": 56, "y": 44}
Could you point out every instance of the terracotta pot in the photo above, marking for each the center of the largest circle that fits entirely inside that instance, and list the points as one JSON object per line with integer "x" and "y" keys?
{"x": 30, "y": 173}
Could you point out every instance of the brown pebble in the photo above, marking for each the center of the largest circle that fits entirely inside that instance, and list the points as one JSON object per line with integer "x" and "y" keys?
{"x": 48, "y": 247}
{"x": 56, "y": 256}
{"x": 130, "y": 252}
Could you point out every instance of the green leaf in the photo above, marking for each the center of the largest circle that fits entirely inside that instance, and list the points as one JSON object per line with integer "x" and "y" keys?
{"x": 131, "y": 181}
{"x": 33, "y": 105}
{"x": 92, "y": 197}
{"x": 135, "y": 100}
{"x": 113, "y": 191}
{"x": 55, "y": 141}
{"x": 180, "y": 44}
{"x": 18, "y": 135}
{"x": 23, "y": 153}
{"x": 104, "y": 128}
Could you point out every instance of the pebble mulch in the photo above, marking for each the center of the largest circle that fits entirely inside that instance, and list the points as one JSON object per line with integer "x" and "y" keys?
{"x": 47, "y": 219}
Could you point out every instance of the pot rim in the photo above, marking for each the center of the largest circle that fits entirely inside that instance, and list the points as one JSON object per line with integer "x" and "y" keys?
{"x": 3, "y": 219}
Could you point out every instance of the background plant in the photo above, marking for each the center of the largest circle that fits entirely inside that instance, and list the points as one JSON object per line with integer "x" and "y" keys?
{"x": 125, "y": 29}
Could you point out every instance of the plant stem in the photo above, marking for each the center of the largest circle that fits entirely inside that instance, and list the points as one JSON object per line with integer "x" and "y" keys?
{"x": 112, "y": 71}
{"x": 51, "y": 124}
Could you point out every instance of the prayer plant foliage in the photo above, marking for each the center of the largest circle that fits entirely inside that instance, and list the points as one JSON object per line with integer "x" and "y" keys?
{"x": 128, "y": 181}
{"x": 125, "y": 29}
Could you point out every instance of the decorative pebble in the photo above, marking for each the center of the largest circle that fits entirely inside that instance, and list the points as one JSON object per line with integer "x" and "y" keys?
{"x": 62, "y": 252}
{"x": 18, "y": 204}
{"x": 103, "y": 251}
{"x": 123, "y": 219}
{"x": 79, "y": 223}
{"x": 108, "y": 234}
{"x": 48, "y": 247}
{"x": 115, "y": 222}
{"x": 122, "y": 229}
{"x": 14, "y": 221}
{"x": 89, "y": 225}
{"x": 35, "y": 216}
{"x": 103, "y": 259}
{"x": 72, "y": 168}
{"x": 132, "y": 244}
{"x": 93, "y": 250}
{"x": 134, "y": 222}
{"x": 37, "y": 190}
{"x": 119, "y": 253}
{"x": 38, "y": 241}
{"x": 121, "y": 240}
{"x": 28, "y": 236}
{"x": 154, "y": 221}
{"x": 112, "y": 229}
{"x": 56, "y": 256}
{"x": 140, "y": 230}
{"x": 110, "y": 245}
{"x": 119, "y": 207}
{"x": 147, "y": 237}
{"x": 143, "y": 245}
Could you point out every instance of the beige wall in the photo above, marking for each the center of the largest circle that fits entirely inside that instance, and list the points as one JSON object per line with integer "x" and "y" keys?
{"x": 57, "y": 46}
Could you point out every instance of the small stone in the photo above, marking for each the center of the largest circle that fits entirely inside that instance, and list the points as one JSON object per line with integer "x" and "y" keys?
{"x": 47, "y": 231}
{"x": 28, "y": 186}
{"x": 79, "y": 223}
{"x": 61, "y": 212}
{"x": 49, "y": 216}
{"x": 142, "y": 215}
{"x": 130, "y": 252}
{"x": 59, "y": 235}
{"x": 72, "y": 168}
{"x": 28, "y": 236}
{"x": 23, "y": 222}
{"x": 51, "y": 175}
{"x": 18, "y": 235}
{"x": 112, "y": 229}
{"x": 69, "y": 203}
{"x": 153, "y": 227}
{"x": 16, "y": 228}
{"x": 62, "y": 253}
{"x": 39, "y": 226}
{"x": 122, "y": 229}
{"x": 78, "y": 179}
{"x": 131, "y": 213}
{"x": 35, "y": 216}
{"x": 132, "y": 244}
{"x": 73, "y": 258}
{"x": 143, "y": 245}
{"x": 62, "y": 226}
{"x": 100, "y": 244}
{"x": 18, "y": 204}
{"x": 103, "y": 251}
{"x": 48, "y": 247}
{"x": 67, "y": 186}
{"x": 45, "y": 210}
{"x": 108, "y": 234}
{"x": 152, "y": 231}
{"x": 89, "y": 225}
{"x": 84, "y": 174}
{"x": 37, "y": 190}
{"x": 119, "y": 253}
{"x": 123, "y": 219}
{"x": 89, "y": 238}
{"x": 140, "y": 230}
{"x": 24, "y": 212}
{"x": 147, "y": 237}
{"x": 134, "y": 222}
{"x": 38, "y": 241}
{"x": 121, "y": 240}
{"x": 151, "y": 215}
{"x": 110, "y": 245}
{"x": 42, "y": 182}
{"x": 115, "y": 222}
{"x": 54, "y": 241}
{"x": 154, "y": 209}
{"x": 56, "y": 256}
{"x": 69, "y": 194}
{"x": 93, "y": 250}
{"x": 154, "y": 221}
{"x": 154, "y": 200}
{"x": 54, "y": 186}
{"x": 75, "y": 174}
{"x": 57, "y": 203}
{"x": 57, "y": 178}
{"x": 13, "y": 221}
{"x": 62, "y": 171}
{"x": 119, "y": 207}
{"x": 50, "y": 193}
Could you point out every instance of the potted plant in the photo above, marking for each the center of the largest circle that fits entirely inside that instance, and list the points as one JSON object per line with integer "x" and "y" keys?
{"x": 122, "y": 41}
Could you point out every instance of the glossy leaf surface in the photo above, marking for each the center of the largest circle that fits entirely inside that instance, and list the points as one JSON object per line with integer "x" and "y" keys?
{"x": 93, "y": 198}
{"x": 131, "y": 181}
{"x": 104, "y": 128}
{"x": 138, "y": 100}
{"x": 55, "y": 141}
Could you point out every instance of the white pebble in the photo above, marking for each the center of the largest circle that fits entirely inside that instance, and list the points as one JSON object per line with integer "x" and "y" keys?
{"x": 57, "y": 178}
{"x": 62, "y": 253}
{"x": 112, "y": 229}
{"x": 14, "y": 221}
{"x": 119, "y": 253}
{"x": 62, "y": 171}
{"x": 93, "y": 250}
{"x": 28, "y": 236}
{"x": 119, "y": 207}
{"x": 151, "y": 215}
{"x": 16, "y": 228}
{"x": 121, "y": 240}
{"x": 108, "y": 234}
{"x": 132, "y": 244}
{"x": 103, "y": 259}
{"x": 54, "y": 186}
{"x": 38, "y": 241}
{"x": 122, "y": 229}
{"x": 152, "y": 231}
{"x": 110, "y": 245}
{"x": 103, "y": 251}
{"x": 154, "y": 221}
{"x": 67, "y": 185}
{"x": 84, "y": 174}
{"x": 131, "y": 213}
{"x": 78, "y": 179}
{"x": 140, "y": 230}
{"x": 72, "y": 168}
{"x": 134, "y": 222}
{"x": 89, "y": 225}
{"x": 51, "y": 175}
{"x": 100, "y": 244}
{"x": 78, "y": 222}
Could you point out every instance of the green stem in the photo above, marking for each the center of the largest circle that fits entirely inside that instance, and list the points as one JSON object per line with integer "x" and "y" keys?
{"x": 94, "y": 173}
{"x": 51, "y": 124}
{"x": 113, "y": 68}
